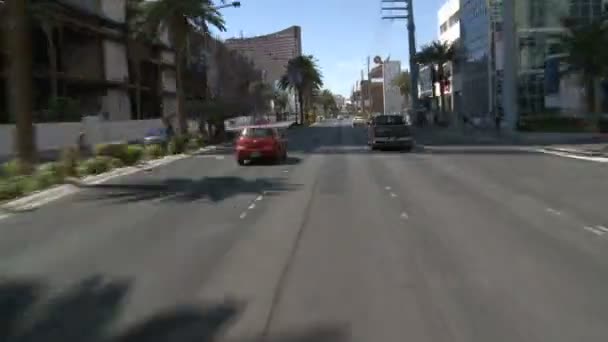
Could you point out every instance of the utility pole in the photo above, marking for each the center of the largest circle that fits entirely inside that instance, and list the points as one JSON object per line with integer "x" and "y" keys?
{"x": 361, "y": 93}
{"x": 406, "y": 13}
{"x": 369, "y": 86}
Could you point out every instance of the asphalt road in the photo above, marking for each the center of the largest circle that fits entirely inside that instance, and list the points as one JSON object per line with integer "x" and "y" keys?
{"x": 449, "y": 243}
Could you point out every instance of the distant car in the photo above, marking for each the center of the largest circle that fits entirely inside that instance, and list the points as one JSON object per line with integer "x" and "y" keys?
{"x": 359, "y": 121}
{"x": 157, "y": 136}
{"x": 390, "y": 131}
{"x": 256, "y": 143}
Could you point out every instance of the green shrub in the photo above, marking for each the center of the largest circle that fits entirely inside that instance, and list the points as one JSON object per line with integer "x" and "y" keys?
{"x": 552, "y": 124}
{"x": 54, "y": 172}
{"x": 95, "y": 166}
{"x": 115, "y": 163}
{"x": 11, "y": 187}
{"x": 15, "y": 168}
{"x": 154, "y": 151}
{"x": 134, "y": 154}
{"x": 114, "y": 150}
{"x": 178, "y": 144}
{"x": 69, "y": 161}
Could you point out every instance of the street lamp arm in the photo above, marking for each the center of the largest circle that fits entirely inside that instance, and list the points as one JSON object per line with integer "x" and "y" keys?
{"x": 234, "y": 4}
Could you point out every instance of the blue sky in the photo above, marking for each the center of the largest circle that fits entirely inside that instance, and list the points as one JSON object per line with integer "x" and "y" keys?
{"x": 339, "y": 33}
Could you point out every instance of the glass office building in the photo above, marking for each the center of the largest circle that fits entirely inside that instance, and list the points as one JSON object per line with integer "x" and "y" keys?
{"x": 537, "y": 30}
{"x": 475, "y": 42}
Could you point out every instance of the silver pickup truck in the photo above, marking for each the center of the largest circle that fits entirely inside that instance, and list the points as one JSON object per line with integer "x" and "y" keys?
{"x": 390, "y": 131}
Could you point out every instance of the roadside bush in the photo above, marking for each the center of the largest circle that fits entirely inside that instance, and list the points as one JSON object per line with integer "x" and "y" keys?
{"x": 133, "y": 154}
{"x": 11, "y": 187}
{"x": 95, "y": 166}
{"x": 15, "y": 168}
{"x": 116, "y": 163}
{"x": 177, "y": 144}
{"x": 69, "y": 161}
{"x": 54, "y": 172}
{"x": 194, "y": 143}
{"x": 114, "y": 150}
{"x": 552, "y": 124}
{"x": 154, "y": 151}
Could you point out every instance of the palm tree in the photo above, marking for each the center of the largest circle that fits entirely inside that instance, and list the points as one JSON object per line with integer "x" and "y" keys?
{"x": 281, "y": 100}
{"x": 181, "y": 18}
{"x": 586, "y": 47}
{"x": 260, "y": 94}
{"x": 403, "y": 81}
{"x": 437, "y": 54}
{"x": 303, "y": 76}
{"x": 20, "y": 72}
{"x": 327, "y": 100}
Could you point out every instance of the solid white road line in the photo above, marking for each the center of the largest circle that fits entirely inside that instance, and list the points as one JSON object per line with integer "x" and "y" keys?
{"x": 573, "y": 156}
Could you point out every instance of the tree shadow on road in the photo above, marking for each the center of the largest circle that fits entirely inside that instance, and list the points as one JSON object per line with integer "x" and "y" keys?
{"x": 215, "y": 189}
{"x": 89, "y": 312}
{"x": 86, "y": 312}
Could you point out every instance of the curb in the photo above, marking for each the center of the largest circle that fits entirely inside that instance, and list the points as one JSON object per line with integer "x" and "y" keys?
{"x": 39, "y": 198}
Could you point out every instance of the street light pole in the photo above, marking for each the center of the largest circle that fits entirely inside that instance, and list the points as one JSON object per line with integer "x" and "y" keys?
{"x": 234, "y": 4}
{"x": 411, "y": 28}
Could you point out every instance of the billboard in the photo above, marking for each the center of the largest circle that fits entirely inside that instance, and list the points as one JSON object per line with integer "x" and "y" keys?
{"x": 393, "y": 100}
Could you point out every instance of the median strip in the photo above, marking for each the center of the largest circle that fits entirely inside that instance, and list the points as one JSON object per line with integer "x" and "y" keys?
{"x": 65, "y": 184}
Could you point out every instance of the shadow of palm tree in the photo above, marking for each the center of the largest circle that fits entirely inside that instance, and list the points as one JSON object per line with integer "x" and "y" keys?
{"x": 87, "y": 311}
{"x": 214, "y": 189}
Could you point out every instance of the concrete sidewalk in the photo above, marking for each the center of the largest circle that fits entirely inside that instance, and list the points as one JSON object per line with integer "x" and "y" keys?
{"x": 459, "y": 136}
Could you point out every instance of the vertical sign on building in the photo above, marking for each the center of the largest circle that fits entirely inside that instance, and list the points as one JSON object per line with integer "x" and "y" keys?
{"x": 497, "y": 56}
{"x": 393, "y": 100}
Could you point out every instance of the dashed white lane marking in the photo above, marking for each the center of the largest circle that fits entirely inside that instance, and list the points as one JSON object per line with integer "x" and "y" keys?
{"x": 404, "y": 215}
{"x": 602, "y": 228}
{"x": 594, "y": 230}
{"x": 553, "y": 211}
{"x": 251, "y": 206}
{"x": 285, "y": 171}
{"x": 259, "y": 198}
{"x": 3, "y": 216}
{"x": 388, "y": 188}
{"x": 243, "y": 215}
{"x": 393, "y": 195}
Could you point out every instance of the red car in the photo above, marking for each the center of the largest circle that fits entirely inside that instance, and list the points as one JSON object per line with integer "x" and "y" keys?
{"x": 260, "y": 143}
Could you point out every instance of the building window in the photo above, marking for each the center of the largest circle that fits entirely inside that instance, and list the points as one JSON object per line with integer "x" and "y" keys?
{"x": 443, "y": 27}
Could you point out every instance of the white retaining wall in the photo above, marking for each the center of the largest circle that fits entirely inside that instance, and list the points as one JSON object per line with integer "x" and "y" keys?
{"x": 54, "y": 136}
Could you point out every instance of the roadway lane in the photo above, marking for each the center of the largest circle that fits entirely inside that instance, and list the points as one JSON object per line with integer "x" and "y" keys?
{"x": 339, "y": 244}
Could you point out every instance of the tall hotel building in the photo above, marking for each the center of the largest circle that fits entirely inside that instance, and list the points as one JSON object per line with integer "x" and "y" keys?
{"x": 270, "y": 53}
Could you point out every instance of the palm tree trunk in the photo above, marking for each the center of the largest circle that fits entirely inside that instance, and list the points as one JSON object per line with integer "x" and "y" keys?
{"x": 181, "y": 99}
{"x": 52, "y": 51}
{"x": 20, "y": 71}
{"x": 590, "y": 93}
{"x": 441, "y": 91}
{"x": 301, "y": 102}
{"x": 138, "y": 90}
